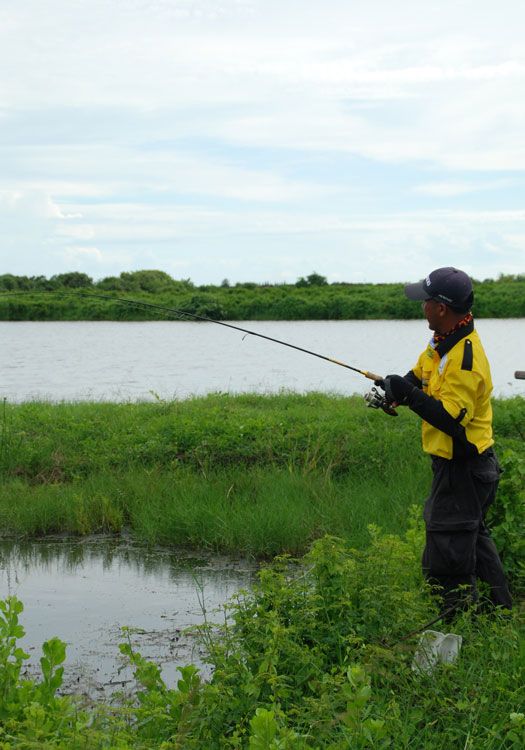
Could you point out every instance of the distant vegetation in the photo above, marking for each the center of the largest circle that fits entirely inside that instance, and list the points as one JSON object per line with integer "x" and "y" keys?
{"x": 310, "y": 298}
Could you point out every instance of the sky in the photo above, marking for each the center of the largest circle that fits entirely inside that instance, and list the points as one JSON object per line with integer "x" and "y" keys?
{"x": 262, "y": 140}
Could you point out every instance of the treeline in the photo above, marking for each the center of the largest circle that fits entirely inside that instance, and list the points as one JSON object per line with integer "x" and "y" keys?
{"x": 67, "y": 297}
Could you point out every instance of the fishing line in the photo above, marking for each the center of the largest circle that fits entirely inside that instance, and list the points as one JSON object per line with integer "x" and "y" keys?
{"x": 184, "y": 313}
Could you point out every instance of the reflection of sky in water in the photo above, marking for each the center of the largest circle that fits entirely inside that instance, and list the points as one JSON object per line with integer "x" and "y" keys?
{"x": 126, "y": 361}
{"x": 85, "y": 591}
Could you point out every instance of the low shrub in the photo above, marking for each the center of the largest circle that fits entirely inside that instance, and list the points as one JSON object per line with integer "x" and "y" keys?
{"x": 318, "y": 655}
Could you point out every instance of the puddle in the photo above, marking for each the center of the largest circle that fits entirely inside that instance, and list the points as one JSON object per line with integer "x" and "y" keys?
{"x": 84, "y": 591}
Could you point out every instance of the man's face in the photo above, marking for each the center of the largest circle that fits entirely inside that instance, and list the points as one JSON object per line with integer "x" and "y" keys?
{"x": 432, "y": 309}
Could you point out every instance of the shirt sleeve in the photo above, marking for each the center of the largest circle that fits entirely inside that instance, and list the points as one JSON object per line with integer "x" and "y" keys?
{"x": 413, "y": 379}
{"x": 453, "y": 409}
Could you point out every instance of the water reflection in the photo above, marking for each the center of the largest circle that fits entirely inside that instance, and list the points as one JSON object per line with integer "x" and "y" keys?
{"x": 68, "y": 553}
{"x": 85, "y": 591}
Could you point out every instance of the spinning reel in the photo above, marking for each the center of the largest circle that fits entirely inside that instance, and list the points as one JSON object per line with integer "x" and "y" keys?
{"x": 376, "y": 400}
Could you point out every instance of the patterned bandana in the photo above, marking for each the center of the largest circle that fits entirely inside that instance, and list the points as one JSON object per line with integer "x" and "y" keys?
{"x": 460, "y": 324}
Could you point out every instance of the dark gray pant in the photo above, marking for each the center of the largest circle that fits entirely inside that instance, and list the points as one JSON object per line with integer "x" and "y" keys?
{"x": 459, "y": 549}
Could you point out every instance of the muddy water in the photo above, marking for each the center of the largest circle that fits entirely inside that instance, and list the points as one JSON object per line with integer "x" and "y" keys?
{"x": 84, "y": 591}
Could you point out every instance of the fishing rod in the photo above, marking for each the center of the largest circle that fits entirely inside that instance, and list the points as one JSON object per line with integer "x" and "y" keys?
{"x": 374, "y": 399}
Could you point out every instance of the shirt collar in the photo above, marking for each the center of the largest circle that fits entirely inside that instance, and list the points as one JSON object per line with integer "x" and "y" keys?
{"x": 446, "y": 345}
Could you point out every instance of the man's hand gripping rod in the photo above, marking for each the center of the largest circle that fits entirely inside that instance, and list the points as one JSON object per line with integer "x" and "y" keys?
{"x": 373, "y": 398}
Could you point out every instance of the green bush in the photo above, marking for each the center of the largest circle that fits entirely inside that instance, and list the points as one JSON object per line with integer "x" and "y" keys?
{"x": 309, "y": 299}
{"x": 507, "y": 518}
{"x": 318, "y": 655}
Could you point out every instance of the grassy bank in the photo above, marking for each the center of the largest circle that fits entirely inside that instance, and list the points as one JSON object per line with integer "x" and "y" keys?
{"x": 317, "y": 655}
{"x": 253, "y": 474}
{"x": 259, "y": 475}
{"x": 261, "y": 512}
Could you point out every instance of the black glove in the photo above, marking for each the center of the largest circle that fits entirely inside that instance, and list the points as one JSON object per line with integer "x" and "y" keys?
{"x": 397, "y": 389}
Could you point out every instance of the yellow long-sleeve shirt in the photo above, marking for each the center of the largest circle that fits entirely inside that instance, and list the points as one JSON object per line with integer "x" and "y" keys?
{"x": 457, "y": 373}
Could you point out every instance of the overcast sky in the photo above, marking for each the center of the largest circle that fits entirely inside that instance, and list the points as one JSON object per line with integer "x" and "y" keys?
{"x": 262, "y": 140}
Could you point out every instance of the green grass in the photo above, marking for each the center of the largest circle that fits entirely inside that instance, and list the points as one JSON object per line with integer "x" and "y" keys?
{"x": 261, "y": 512}
{"x": 44, "y": 442}
{"x": 253, "y": 474}
{"x": 315, "y": 655}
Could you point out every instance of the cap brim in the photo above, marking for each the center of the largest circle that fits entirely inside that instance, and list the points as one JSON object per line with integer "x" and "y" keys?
{"x": 416, "y": 291}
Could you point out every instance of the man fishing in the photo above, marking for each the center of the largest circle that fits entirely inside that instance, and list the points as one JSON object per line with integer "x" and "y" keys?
{"x": 449, "y": 388}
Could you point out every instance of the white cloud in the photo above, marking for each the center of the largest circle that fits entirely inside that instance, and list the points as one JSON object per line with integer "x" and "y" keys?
{"x": 516, "y": 240}
{"x": 77, "y": 231}
{"x": 307, "y": 131}
{"x": 82, "y": 253}
{"x": 447, "y": 189}
{"x": 107, "y": 170}
{"x": 80, "y": 257}
{"x": 29, "y": 202}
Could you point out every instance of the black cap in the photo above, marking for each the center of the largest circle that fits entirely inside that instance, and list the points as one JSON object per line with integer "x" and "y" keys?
{"x": 448, "y": 285}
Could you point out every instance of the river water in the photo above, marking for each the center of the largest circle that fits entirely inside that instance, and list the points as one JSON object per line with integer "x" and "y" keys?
{"x": 117, "y": 361}
{"x": 84, "y": 591}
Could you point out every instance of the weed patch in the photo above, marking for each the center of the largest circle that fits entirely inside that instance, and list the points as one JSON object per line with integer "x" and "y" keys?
{"x": 313, "y": 657}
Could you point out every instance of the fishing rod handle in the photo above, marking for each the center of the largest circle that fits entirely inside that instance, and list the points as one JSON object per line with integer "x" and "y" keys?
{"x": 371, "y": 375}
{"x": 519, "y": 374}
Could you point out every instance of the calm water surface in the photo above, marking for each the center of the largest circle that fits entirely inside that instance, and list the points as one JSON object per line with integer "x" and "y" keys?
{"x": 133, "y": 361}
{"x": 84, "y": 591}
